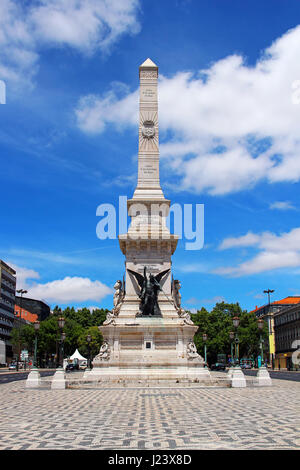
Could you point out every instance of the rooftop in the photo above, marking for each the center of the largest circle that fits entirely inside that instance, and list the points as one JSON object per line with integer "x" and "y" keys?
{"x": 290, "y": 300}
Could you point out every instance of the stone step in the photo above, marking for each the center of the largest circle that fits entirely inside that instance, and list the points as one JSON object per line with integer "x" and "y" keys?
{"x": 107, "y": 384}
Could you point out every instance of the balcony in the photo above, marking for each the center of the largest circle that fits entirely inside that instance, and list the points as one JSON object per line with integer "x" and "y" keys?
{"x": 6, "y": 308}
{"x": 8, "y": 285}
{"x": 8, "y": 276}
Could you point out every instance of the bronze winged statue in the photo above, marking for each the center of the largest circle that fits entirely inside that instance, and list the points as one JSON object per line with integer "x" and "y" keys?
{"x": 150, "y": 286}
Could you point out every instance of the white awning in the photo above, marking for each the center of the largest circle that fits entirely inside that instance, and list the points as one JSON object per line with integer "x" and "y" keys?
{"x": 78, "y": 356}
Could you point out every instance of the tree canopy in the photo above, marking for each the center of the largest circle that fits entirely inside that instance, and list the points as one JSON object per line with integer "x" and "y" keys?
{"x": 80, "y": 323}
{"x": 217, "y": 324}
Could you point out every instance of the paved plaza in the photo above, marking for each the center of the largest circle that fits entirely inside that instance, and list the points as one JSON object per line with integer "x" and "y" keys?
{"x": 150, "y": 418}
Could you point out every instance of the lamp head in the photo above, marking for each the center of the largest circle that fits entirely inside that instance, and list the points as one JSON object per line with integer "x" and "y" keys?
{"x": 260, "y": 323}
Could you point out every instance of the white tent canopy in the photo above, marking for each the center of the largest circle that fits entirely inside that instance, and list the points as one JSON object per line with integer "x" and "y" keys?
{"x": 78, "y": 356}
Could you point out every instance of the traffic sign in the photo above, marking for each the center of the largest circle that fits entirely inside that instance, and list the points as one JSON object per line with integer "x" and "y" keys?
{"x": 24, "y": 354}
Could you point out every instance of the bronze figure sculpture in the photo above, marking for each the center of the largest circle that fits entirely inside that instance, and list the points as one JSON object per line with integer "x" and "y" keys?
{"x": 150, "y": 286}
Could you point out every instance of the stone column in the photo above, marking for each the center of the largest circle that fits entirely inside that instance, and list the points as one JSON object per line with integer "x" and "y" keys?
{"x": 148, "y": 165}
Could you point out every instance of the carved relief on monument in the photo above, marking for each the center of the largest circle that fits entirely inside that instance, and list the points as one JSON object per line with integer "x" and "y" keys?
{"x": 148, "y": 131}
{"x": 148, "y": 74}
{"x": 176, "y": 294}
{"x": 104, "y": 353}
{"x": 177, "y": 303}
{"x": 118, "y": 300}
{"x": 191, "y": 351}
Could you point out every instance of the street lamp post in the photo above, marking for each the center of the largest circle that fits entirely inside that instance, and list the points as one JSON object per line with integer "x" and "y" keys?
{"x": 270, "y": 327}
{"x": 263, "y": 378}
{"x": 59, "y": 381}
{"x": 236, "y": 322}
{"x": 62, "y": 338}
{"x": 89, "y": 339}
{"x": 36, "y": 329}
{"x": 20, "y": 291}
{"x": 236, "y": 376}
{"x": 34, "y": 379}
{"x": 61, "y": 324}
{"x": 260, "y": 324}
{"x": 231, "y": 336}
{"x": 268, "y": 291}
{"x": 204, "y": 337}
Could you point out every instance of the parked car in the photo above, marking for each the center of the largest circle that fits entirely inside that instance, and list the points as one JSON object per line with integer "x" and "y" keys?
{"x": 71, "y": 367}
{"x": 218, "y": 366}
{"x": 246, "y": 366}
{"x": 12, "y": 366}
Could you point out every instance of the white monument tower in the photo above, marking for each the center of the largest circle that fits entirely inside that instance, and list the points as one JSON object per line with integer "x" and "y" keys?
{"x": 146, "y": 339}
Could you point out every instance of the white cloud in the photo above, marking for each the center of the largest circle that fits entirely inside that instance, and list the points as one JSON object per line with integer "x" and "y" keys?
{"x": 282, "y": 205}
{"x": 93, "y": 114}
{"x": 231, "y": 125}
{"x": 26, "y": 29}
{"x": 69, "y": 289}
{"x": 192, "y": 268}
{"x": 213, "y": 300}
{"x": 24, "y": 275}
{"x": 250, "y": 239}
{"x": 18, "y": 58}
{"x": 274, "y": 252}
{"x": 87, "y": 25}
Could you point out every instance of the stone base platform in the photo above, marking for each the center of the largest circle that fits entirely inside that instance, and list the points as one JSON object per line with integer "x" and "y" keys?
{"x": 132, "y": 384}
{"x": 142, "y": 373}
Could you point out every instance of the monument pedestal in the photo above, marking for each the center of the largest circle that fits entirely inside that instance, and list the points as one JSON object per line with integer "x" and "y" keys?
{"x": 148, "y": 349}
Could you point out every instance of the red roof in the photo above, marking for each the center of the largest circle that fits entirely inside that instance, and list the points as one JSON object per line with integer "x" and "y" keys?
{"x": 291, "y": 299}
{"x": 288, "y": 300}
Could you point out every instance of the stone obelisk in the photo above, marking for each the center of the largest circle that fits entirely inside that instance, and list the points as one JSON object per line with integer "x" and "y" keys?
{"x": 138, "y": 346}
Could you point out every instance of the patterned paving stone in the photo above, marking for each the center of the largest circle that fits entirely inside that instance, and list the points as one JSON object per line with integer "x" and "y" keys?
{"x": 152, "y": 418}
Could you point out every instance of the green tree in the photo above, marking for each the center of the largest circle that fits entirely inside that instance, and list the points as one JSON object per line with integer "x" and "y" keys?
{"x": 99, "y": 316}
{"x": 97, "y": 340}
{"x": 23, "y": 337}
{"x": 73, "y": 331}
{"x": 48, "y": 338}
{"x": 217, "y": 324}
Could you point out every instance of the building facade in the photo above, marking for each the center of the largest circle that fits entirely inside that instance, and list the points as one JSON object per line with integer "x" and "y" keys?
{"x": 7, "y": 304}
{"x": 33, "y": 307}
{"x": 25, "y": 315}
{"x": 268, "y": 313}
{"x": 287, "y": 338}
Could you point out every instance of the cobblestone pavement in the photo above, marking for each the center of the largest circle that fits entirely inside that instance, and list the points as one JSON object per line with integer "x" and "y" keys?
{"x": 151, "y": 418}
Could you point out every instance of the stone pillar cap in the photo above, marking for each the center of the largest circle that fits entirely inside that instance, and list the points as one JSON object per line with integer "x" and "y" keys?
{"x": 148, "y": 64}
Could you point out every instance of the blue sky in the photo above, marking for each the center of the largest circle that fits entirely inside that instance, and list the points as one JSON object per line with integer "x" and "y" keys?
{"x": 229, "y": 113}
